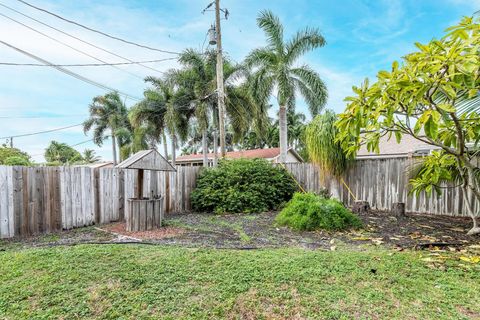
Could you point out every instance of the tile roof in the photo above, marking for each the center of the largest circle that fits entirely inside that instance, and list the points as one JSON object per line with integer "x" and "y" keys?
{"x": 255, "y": 153}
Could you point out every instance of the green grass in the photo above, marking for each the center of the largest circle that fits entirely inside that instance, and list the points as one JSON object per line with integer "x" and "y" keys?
{"x": 150, "y": 282}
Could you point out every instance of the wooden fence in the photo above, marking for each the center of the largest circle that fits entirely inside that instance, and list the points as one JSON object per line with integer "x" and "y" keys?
{"x": 44, "y": 199}
{"x": 382, "y": 182}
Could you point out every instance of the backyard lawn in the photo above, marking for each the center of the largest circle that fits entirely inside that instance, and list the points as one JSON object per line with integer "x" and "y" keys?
{"x": 288, "y": 276}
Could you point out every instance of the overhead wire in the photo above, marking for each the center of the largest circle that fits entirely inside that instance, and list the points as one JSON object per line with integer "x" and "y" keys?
{"x": 43, "y": 117}
{"x": 95, "y": 30}
{"x": 84, "y": 64}
{"x": 71, "y": 73}
{"x": 67, "y": 45}
{"x": 83, "y": 41}
{"x": 41, "y": 132}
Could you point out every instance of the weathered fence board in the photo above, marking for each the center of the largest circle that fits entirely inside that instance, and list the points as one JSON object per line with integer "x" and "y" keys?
{"x": 381, "y": 182}
{"x": 46, "y": 199}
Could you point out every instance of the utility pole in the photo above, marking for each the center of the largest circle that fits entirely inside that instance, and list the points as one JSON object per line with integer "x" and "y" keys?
{"x": 220, "y": 88}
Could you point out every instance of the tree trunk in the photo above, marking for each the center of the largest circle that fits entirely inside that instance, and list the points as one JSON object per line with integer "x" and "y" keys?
{"x": 475, "y": 228}
{"x": 114, "y": 149}
{"x": 205, "y": 148}
{"x": 215, "y": 149}
{"x": 283, "y": 134}
{"x": 174, "y": 147}
{"x": 165, "y": 146}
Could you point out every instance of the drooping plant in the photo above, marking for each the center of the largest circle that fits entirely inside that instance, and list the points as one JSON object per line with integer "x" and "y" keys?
{"x": 322, "y": 147}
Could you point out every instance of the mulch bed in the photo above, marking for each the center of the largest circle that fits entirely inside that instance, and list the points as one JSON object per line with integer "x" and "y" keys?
{"x": 160, "y": 233}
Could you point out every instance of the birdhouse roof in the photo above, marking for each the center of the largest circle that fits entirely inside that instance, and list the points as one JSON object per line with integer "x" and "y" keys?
{"x": 147, "y": 160}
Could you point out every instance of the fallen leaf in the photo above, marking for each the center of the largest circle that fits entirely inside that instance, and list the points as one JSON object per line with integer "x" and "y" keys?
{"x": 361, "y": 238}
{"x": 426, "y": 227}
{"x": 471, "y": 259}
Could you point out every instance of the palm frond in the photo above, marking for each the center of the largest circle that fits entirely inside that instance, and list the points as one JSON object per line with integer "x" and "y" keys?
{"x": 304, "y": 40}
{"x": 312, "y": 88}
{"x": 273, "y": 28}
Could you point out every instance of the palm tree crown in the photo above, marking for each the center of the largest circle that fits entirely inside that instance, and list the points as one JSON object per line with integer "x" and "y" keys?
{"x": 108, "y": 112}
{"x": 275, "y": 71}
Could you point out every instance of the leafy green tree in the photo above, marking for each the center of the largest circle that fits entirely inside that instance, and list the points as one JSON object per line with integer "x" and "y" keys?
{"x": 275, "y": 72}
{"x": 16, "y": 154}
{"x": 108, "y": 113}
{"x": 425, "y": 97}
{"x": 62, "y": 153}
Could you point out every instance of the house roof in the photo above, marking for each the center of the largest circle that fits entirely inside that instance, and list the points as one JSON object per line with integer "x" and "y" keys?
{"x": 269, "y": 153}
{"x": 148, "y": 160}
{"x": 389, "y": 148}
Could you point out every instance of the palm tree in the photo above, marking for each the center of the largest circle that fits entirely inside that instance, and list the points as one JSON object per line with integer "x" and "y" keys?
{"x": 108, "y": 112}
{"x": 62, "y": 153}
{"x": 296, "y": 128}
{"x": 274, "y": 69}
{"x": 89, "y": 156}
{"x": 198, "y": 81}
{"x": 161, "y": 112}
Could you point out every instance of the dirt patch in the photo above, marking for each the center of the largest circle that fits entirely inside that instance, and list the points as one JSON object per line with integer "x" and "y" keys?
{"x": 413, "y": 230}
{"x": 159, "y": 233}
{"x": 251, "y": 231}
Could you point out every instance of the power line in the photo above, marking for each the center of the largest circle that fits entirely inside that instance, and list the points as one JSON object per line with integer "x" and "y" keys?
{"x": 96, "y": 31}
{"x": 41, "y": 132}
{"x": 72, "y": 145}
{"x": 67, "y": 45}
{"x": 81, "y": 40}
{"x": 69, "y": 72}
{"x": 43, "y": 117}
{"x": 85, "y": 64}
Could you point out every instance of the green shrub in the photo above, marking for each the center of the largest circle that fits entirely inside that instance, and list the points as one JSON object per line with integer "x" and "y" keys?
{"x": 308, "y": 211}
{"x": 242, "y": 186}
{"x": 16, "y": 161}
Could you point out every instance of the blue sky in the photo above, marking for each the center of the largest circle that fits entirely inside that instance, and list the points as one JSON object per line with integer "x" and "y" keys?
{"x": 362, "y": 38}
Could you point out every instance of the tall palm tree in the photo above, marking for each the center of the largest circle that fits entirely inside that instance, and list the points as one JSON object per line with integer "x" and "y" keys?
{"x": 161, "y": 112}
{"x": 275, "y": 71}
{"x": 198, "y": 80}
{"x": 107, "y": 113}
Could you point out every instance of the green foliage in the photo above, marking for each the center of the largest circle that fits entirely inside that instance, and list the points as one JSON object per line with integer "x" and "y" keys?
{"x": 242, "y": 186}
{"x": 433, "y": 96}
{"x": 58, "y": 152}
{"x": 16, "y": 154}
{"x": 276, "y": 66}
{"x": 16, "y": 161}
{"x": 308, "y": 211}
{"x": 322, "y": 147}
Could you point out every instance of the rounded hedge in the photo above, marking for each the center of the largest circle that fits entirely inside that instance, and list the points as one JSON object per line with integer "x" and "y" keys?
{"x": 242, "y": 185}
{"x": 308, "y": 211}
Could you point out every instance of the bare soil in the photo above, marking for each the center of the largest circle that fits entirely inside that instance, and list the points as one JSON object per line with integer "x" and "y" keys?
{"x": 251, "y": 231}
